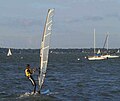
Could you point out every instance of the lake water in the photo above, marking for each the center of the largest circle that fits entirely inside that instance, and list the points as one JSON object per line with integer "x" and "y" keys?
{"x": 67, "y": 78}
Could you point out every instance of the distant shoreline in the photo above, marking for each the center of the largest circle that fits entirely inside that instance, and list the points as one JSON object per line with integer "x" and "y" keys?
{"x": 58, "y": 50}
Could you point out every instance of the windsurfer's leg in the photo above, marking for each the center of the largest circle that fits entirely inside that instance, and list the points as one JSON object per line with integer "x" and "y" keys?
{"x": 33, "y": 83}
{"x": 38, "y": 92}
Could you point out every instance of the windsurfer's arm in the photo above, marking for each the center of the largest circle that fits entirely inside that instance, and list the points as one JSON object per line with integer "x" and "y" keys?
{"x": 32, "y": 71}
{"x": 29, "y": 71}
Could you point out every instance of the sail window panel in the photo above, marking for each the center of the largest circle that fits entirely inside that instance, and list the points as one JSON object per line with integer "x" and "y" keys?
{"x": 45, "y": 67}
{"x": 47, "y": 34}
{"x": 47, "y": 40}
{"x": 45, "y": 58}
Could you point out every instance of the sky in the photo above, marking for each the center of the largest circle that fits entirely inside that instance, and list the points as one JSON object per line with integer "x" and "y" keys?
{"x": 22, "y": 23}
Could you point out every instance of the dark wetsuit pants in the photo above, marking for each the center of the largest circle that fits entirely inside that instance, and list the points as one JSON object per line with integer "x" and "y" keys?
{"x": 33, "y": 82}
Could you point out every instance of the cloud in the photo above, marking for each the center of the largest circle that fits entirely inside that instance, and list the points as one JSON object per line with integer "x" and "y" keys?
{"x": 114, "y": 15}
{"x": 93, "y": 18}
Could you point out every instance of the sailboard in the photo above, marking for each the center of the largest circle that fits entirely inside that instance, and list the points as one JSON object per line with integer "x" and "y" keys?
{"x": 9, "y": 52}
{"x": 44, "y": 51}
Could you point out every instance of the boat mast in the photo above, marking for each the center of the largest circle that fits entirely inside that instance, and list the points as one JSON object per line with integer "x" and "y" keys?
{"x": 107, "y": 40}
{"x": 94, "y": 42}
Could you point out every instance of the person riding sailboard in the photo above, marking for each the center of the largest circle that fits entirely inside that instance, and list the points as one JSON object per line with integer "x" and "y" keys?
{"x": 28, "y": 73}
{"x": 44, "y": 52}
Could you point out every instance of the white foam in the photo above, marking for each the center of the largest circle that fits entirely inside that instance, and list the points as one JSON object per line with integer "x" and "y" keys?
{"x": 27, "y": 94}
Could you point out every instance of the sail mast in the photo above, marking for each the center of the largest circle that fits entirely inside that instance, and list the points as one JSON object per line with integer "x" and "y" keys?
{"x": 45, "y": 47}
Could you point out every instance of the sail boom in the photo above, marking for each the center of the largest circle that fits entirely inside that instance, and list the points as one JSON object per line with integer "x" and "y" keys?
{"x": 47, "y": 34}
{"x": 44, "y": 61}
{"x": 45, "y": 47}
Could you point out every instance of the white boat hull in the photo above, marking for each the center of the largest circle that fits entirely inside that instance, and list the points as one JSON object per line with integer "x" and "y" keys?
{"x": 97, "y": 58}
{"x": 110, "y": 56}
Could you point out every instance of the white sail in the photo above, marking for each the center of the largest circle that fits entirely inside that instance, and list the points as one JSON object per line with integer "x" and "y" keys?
{"x": 9, "y": 52}
{"x": 99, "y": 52}
{"x": 118, "y": 51}
{"x": 44, "y": 52}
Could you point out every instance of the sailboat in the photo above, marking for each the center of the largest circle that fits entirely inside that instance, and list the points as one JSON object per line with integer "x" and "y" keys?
{"x": 96, "y": 56}
{"x": 118, "y": 51}
{"x": 9, "y": 52}
{"x": 44, "y": 51}
{"x": 108, "y": 55}
{"x": 99, "y": 52}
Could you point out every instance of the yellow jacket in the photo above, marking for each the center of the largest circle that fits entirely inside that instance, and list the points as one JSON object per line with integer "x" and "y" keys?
{"x": 28, "y": 72}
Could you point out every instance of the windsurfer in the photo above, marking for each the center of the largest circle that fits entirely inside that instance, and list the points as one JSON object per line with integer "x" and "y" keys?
{"x": 28, "y": 73}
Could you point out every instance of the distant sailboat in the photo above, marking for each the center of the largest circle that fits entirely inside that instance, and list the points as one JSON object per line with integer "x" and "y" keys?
{"x": 118, "y": 51}
{"x": 44, "y": 51}
{"x": 9, "y": 52}
{"x": 108, "y": 55}
{"x": 96, "y": 56}
{"x": 99, "y": 52}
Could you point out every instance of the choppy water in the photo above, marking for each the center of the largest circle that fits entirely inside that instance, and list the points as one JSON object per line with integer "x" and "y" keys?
{"x": 67, "y": 78}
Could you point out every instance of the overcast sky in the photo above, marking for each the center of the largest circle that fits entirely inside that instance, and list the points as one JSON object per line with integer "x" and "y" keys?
{"x": 22, "y": 23}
